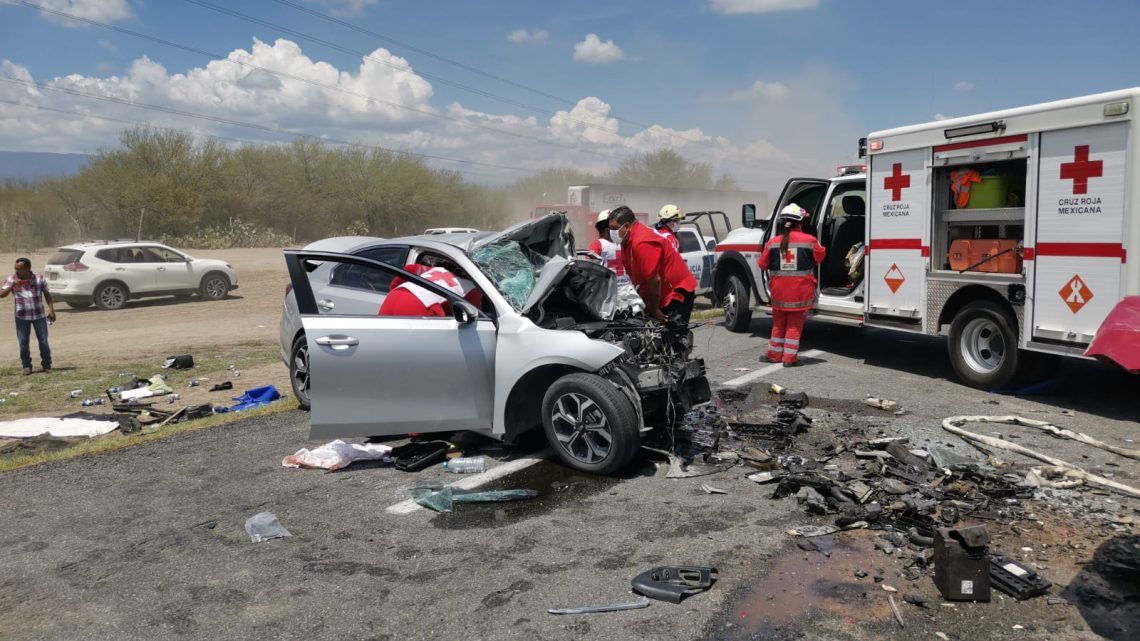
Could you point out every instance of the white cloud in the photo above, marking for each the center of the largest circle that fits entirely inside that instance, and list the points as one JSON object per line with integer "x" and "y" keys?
{"x": 528, "y": 37}
{"x": 731, "y": 7}
{"x": 99, "y": 10}
{"x": 109, "y": 46}
{"x": 940, "y": 116}
{"x": 345, "y": 7}
{"x": 586, "y": 136}
{"x": 592, "y": 49}
{"x": 964, "y": 87}
{"x": 761, "y": 89}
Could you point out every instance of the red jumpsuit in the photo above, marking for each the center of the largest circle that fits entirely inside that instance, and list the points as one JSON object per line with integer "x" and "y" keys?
{"x": 409, "y": 299}
{"x": 646, "y": 254}
{"x": 792, "y": 284}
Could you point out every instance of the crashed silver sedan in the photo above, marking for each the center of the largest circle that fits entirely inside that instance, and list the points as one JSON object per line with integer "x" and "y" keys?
{"x": 553, "y": 347}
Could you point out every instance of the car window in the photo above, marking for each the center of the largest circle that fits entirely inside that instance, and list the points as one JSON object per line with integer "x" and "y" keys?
{"x": 689, "y": 241}
{"x": 367, "y": 278}
{"x": 512, "y": 268}
{"x": 65, "y": 257}
{"x": 168, "y": 255}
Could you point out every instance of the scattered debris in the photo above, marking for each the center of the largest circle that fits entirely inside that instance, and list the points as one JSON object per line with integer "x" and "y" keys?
{"x": 895, "y": 609}
{"x": 419, "y": 455}
{"x": 442, "y": 498}
{"x": 961, "y": 568}
{"x": 58, "y": 427}
{"x": 221, "y": 387}
{"x": 674, "y": 582}
{"x": 643, "y": 602}
{"x": 337, "y": 455}
{"x": 762, "y": 477}
{"x": 182, "y": 361}
{"x": 881, "y": 403}
{"x": 809, "y": 545}
{"x": 888, "y": 588}
{"x": 264, "y": 526}
{"x": 708, "y": 489}
{"x": 1016, "y": 579}
{"x": 255, "y": 397}
{"x": 813, "y": 530}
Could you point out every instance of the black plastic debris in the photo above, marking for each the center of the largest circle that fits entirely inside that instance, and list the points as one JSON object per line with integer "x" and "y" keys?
{"x": 673, "y": 583}
{"x": 181, "y": 361}
{"x": 1016, "y": 579}
{"x": 961, "y": 565}
{"x": 417, "y": 455}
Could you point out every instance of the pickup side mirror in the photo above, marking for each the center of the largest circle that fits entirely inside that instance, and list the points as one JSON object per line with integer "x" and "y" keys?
{"x": 464, "y": 312}
{"x": 710, "y": 245}
{"x": 748, "y": 216}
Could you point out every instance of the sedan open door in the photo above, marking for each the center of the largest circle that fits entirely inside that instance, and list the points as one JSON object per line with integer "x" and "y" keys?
{"x": 377, "y": 375}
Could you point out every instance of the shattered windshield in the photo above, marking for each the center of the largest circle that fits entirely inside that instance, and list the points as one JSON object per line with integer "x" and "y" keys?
{"x": 511, "y": 267}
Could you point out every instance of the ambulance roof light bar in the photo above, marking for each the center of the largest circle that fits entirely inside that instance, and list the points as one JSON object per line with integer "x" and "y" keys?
{"x": 848, "y": 170}
{"x": 974, "y": 130}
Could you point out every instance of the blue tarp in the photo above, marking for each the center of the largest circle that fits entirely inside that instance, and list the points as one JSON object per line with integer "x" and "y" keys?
{"x": 255, "y": 397}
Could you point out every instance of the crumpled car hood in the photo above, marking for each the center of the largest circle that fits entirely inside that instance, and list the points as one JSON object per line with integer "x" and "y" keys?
{"x": 548, "y": 236}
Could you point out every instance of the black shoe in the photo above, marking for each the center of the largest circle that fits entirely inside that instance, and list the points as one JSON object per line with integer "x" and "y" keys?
{"x": 222, "y": 386}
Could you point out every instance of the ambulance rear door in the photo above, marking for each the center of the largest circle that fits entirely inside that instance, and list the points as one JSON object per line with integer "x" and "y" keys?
{"x": 898, "y": 221}
{"x": 1078, "y": 256}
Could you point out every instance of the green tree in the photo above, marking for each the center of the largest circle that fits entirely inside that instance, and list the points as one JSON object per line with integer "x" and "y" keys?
{"x": 667, "y": 168}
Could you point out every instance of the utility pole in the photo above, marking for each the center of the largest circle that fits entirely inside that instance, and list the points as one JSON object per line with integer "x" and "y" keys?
{"x": 142, "y": 212}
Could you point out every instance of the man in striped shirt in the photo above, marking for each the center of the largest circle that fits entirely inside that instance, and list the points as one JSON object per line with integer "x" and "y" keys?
{"x": 31, "y": 292}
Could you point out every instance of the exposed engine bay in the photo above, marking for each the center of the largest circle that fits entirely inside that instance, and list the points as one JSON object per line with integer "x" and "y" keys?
{"x": 656, "y": 359}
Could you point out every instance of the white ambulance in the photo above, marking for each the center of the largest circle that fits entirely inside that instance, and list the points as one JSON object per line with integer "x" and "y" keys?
{"x": 1008, "y": 232}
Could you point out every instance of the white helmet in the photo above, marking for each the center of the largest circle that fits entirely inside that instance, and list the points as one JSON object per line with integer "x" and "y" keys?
{"x": 603, "y": 216}
{"x": 793, "y": 212}
{"x": 671, "y": 212}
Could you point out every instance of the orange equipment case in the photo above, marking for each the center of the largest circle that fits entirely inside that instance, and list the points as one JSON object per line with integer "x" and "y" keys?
{"x": 967, "y": 252}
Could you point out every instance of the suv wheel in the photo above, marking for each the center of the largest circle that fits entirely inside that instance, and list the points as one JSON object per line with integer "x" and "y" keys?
{"x": 299, "y": 371}
{"x": 737, "y": 314}
{"x": 215, "y": 286}
{"x": 590, "y": 423}
{"x": 112, "y": 295}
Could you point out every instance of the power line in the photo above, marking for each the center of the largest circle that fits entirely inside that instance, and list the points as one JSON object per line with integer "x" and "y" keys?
{"x": 250, "y": 125}
{"x": 216, "y": 56}
{"x": 464, "y": 66}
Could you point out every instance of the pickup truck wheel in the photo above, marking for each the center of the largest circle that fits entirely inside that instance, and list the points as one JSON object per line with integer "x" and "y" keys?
{"x": 983, "y": 346}
{"x": 737, "y": 313}
{"x": 215, "y": 286}
{"x": 590, "y": 423}
{"x": 299, "y": 372}
{"x": 112, "y": 295}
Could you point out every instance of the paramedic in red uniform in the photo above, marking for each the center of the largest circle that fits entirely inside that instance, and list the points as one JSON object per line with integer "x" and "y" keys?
{"x": 607, "y": 248}
{"x": 668, "y": 218}
{"x": 657, "y": 270}
{"x": 408, "y": 299}
{"x": 790, "y": 259}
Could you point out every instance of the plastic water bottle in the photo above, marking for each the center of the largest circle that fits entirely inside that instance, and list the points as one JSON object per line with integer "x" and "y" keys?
{"x": 465, "y": 465}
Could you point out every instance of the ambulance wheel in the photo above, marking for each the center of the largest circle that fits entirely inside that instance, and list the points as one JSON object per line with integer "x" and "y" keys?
{"x": 737, "y": 314}
{"x": 590, "y": 424}
{"x": 983, "y": 346}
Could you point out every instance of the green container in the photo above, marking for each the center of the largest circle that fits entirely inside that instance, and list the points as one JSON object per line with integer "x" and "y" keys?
{"x": 991, "y": 193}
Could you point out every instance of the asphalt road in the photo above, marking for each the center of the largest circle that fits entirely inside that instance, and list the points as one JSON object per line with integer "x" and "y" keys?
{"x": 148, "y": 542}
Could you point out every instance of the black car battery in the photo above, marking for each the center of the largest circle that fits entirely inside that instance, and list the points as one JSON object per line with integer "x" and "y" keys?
{"x": 961, "y": 566}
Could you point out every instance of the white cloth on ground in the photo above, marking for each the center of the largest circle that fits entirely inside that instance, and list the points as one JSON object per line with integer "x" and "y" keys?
{"x": 58, "y": 427}
{"x": 337, "y": 454}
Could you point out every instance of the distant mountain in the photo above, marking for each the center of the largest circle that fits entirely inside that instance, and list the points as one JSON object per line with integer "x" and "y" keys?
{"x": 34, "y": 165}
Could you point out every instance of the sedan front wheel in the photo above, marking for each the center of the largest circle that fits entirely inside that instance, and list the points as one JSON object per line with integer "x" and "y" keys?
{"x": 590, "y": 423}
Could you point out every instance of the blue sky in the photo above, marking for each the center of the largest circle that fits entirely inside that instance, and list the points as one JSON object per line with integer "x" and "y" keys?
{"x": 759, "y": 88}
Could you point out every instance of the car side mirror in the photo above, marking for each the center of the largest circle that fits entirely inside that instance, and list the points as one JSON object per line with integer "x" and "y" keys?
{"x": 710, "y": 246}
{"x": 748, "y": 215}
{"x": 464, "y": 312}
{"x": 189, "y": 260}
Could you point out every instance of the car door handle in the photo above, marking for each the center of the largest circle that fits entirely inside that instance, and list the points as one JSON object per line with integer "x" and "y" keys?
{"x": 120, "y": 269}
{"x": 337, "y": 341}
{"x": 326, "y": 304}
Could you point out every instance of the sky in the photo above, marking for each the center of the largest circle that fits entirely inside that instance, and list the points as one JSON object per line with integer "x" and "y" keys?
{"x": 498, "y": 89}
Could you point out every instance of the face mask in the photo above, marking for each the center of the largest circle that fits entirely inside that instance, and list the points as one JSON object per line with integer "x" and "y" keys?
{"x": 615, "y": 237}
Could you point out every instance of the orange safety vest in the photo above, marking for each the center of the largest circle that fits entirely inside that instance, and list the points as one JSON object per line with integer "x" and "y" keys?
{"x": 960, "y": 185}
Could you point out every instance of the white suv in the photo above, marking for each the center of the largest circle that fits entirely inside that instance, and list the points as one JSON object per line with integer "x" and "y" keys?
{"x": 110, "y": 272}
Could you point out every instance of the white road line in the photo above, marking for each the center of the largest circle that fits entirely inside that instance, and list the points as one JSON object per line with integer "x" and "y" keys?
{"x": 472, "y": 482}
{"x": 764, "y": 371}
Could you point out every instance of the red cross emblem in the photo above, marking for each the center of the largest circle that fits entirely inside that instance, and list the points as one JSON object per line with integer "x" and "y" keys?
{"x": 442, "y": 276}
{"x": 898, "y": 181}
{"x": 1076, "y": 293}
{"x": 1081, "y": 169}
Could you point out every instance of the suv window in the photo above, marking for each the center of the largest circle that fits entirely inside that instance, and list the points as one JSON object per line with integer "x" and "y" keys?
{"x": 367, "y": 278}
{"x": 166, "y": 255}
{"x": 690, "y": 242}
{"x": 65, "y": 257}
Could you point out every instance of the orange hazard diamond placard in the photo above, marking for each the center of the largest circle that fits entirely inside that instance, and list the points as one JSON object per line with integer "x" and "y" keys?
{"x": 894, "y": 278}
{"x": 1076, "y": 294}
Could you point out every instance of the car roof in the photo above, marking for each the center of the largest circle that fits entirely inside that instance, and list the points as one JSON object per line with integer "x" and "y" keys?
{"x": 88, "y": 244}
